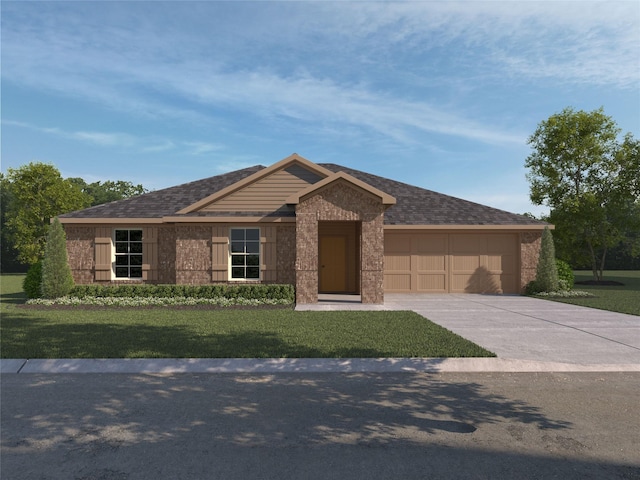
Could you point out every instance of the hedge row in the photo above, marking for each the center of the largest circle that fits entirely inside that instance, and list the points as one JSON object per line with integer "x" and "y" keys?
{"x": 245, "y": 291}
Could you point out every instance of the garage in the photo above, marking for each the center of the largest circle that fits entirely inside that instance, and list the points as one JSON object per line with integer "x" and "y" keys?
{"x": 451, "y": 262}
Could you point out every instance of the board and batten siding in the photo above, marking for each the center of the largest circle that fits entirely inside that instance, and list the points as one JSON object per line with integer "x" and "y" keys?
{"x": 451, "y": 263}
{"x": 267, "y": 194}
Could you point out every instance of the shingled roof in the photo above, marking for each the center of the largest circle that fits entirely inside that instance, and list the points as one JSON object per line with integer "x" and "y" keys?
{"x": 414, "y": 205}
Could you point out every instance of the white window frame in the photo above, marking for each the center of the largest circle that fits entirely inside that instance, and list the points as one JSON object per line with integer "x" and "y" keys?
{"x": 115, "y": 254}
{"x": 245, "y": 254}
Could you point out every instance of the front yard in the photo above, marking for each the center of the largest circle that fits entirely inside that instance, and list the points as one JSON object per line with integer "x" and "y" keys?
{"x": 615, "y": 298}
{"x": 223, "y": 333}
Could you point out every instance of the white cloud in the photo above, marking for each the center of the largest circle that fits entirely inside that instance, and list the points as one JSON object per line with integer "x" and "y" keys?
{"x": 98, "y": 55}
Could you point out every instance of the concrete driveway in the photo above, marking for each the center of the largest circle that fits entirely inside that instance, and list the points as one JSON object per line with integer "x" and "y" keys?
{"x": 520, "y": 328}
{"x": 525, "y": 328}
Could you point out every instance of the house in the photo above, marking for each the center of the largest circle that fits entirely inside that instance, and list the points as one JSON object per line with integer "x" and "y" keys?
{"x": 321, "y": 227}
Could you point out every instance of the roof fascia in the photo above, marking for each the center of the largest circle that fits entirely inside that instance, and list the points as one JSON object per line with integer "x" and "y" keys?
{"x": 285, "y": 162}
{"x": 385, "y": 197}
{"x": 179, "y": 219}
{"x": 109, "y": 220}
{"x": 519, "y": 228}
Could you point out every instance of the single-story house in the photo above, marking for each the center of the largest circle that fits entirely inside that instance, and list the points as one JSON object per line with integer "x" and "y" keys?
{"x": 321, "y": 227}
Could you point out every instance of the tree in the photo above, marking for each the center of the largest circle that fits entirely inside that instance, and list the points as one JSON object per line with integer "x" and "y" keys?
{"x": 108, "y": 191}
{"x": 57, "y": 280}
{"x": 589, "y": 178}
{"x": 38, "y": 193}
{"x": 547, "y": 270}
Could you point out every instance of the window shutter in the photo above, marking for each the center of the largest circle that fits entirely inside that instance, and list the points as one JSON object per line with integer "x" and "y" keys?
{"x": 269, "y": 256}
{"x": 103, "y": 254}
{"x": 220, "y": 253}
{"x": 150, "y": 254}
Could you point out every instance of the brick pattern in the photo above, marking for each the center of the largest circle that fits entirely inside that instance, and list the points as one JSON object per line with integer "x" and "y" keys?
{"x": 340, "y": 201}
{"x": 529, "y": 251}
{"x": 80, "y": 250}
{"x": 193, "y": 254}
{"x": 286, "y": 253}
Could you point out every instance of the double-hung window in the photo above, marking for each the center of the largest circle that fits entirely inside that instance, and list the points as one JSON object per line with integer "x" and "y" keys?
{"x": 128, "y": 254}
{"x": 245, "y": 254}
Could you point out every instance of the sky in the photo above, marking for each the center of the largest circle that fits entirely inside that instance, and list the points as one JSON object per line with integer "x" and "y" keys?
{"x": 442, "y": 95}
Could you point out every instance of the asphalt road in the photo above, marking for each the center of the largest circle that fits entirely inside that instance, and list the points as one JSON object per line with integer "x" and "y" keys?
{"x": 320, "y": 426}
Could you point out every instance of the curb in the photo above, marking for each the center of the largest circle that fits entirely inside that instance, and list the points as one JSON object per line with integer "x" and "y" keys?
{"x": 299, "y": 365}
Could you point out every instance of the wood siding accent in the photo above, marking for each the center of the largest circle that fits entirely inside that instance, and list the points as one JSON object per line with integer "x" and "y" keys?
{"x": 103, "y": 254}
{"x": 220, "y": 253}
{"x": 451, "y": 263}
{"x": 269, "y": 255}
{"x": 267, "y": 194}
{"x": 150, "y": 254}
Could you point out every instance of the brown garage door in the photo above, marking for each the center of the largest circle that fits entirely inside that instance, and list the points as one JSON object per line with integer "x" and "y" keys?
{"x": 450, "y": 263}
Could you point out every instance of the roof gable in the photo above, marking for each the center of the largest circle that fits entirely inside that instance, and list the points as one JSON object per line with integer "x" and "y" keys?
{"x": 385, "y": 198}
{"x": 265, "y": 190}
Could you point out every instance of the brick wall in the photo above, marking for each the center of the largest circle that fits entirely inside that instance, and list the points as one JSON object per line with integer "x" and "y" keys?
{"x": 80, "y": 250}
{"x": 340, "y": 201}
{"x": 529, "y": 251}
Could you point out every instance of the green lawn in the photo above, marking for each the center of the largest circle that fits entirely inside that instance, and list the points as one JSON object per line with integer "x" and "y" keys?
{"x": 184, "y": 333}
{"x": 623, "y": 299}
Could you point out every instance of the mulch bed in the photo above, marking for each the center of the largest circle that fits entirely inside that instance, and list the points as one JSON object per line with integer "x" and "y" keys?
{"x": 155, "y": 307}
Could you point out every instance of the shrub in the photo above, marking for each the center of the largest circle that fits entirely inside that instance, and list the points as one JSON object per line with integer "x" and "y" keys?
{"x": 32, "y": 282}
{"x": 547, "y": 272}
{"x": 57, "y": 280}
{"x": 258, "y": 292}
{"x": 566, "y": 277}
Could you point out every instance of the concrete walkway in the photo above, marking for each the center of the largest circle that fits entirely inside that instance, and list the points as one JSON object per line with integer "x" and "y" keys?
{"x": 527, "y": 335}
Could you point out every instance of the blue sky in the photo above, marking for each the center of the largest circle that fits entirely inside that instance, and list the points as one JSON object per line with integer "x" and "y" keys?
{"x": 441, "y": 95}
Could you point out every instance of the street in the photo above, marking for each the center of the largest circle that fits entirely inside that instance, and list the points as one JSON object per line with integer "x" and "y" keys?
{"x": 320, "y": 426}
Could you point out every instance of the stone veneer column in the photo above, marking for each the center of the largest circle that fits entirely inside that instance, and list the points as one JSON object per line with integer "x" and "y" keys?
{"x": 307, "y": 257}
{"x": 530, "y": 243}
{"x": 372, "y": 261}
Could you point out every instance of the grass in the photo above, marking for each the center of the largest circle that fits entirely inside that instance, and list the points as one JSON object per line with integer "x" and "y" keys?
{"x": 623, "y": 299}
{"x": 197, "y": 333}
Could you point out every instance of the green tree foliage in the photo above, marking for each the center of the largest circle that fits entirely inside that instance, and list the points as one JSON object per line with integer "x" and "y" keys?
{"x": 547, "y": 270}
{"x": 108, "y": 191}
{"x": 32, "y": 283}
{"x": 590, "y": 179}
{"x": 57, "y": 280}
{"x": 38, "y": 193}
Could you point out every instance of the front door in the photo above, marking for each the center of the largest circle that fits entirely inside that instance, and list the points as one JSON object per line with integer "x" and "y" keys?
{"x": 332, "y": 263}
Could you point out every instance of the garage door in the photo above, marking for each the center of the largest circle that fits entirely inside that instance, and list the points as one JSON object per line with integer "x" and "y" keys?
{"x": 450, "y": 263}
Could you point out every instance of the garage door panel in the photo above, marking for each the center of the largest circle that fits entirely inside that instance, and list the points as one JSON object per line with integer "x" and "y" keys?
{"x": 432, "y": 244}
{"x": 430, "y": 263}
{"x": 432, "y": 283}
{"x": 397, "y": 282}
{"x": 397, "y": 262}
{"x": 464, "y": 263}
{"x": 452, "y": 262}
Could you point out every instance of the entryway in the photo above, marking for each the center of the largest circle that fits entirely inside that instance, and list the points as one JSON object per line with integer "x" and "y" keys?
{"x": 338, "y": 257}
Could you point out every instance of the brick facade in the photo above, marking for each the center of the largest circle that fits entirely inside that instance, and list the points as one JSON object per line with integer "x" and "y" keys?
{"x": 530, "y": 243}
{"x": 340, "y": 201}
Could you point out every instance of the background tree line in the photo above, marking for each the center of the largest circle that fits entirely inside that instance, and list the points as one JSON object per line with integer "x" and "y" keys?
{"x": 589, "y": 176}
{"x": 33, "y": 194}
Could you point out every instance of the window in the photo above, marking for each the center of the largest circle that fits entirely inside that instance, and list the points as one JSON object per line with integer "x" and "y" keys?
{"x": 128, "y": 261}
{"x": 245, "y": 253}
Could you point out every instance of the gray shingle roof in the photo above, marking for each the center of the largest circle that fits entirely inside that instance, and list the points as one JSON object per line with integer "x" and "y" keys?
{"x": 415, "y": 205}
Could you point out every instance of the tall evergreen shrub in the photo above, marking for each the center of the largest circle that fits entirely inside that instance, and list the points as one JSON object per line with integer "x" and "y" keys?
{"x": 57, "y": 280}
{"x": 547, "y": 270}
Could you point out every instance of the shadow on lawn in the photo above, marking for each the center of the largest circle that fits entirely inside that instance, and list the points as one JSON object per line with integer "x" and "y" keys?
{"x": 27, "y": 336}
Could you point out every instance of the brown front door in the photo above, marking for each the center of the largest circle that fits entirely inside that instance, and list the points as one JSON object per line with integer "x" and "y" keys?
{"x": 332, "y": 263}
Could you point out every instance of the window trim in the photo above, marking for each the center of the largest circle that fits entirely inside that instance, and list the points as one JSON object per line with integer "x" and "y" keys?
{"x": 114, "y": 256}
{"x": 231, "y": 254}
